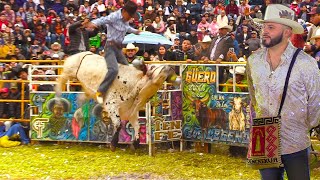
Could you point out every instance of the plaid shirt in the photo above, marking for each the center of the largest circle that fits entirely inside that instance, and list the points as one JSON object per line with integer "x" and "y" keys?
{"x": 117, "y": 28}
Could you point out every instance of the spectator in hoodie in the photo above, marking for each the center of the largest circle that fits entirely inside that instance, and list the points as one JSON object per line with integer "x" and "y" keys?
{"x": 21, "y": 12}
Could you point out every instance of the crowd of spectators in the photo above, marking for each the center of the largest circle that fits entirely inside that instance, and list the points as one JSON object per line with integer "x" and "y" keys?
{"x": 29, "y": 28}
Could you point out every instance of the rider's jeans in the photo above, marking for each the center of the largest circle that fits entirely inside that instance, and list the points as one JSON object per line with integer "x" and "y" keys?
{"x": 296, "y": 166}
{"x": 113, "y": 56}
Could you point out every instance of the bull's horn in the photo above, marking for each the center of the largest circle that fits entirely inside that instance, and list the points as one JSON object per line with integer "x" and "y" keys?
{"x": 205, "y": 99}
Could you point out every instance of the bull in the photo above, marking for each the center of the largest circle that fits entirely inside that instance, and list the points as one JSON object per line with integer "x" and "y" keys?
{"x": 236, "y": 116}
{"x": 209, "y": 117}
{"x": 127, "y": 95}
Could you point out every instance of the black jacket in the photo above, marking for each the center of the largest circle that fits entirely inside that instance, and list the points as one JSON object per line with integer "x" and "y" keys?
{"x": 75, "y": 36}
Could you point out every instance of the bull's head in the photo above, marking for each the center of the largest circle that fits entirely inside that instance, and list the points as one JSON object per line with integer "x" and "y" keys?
{"x": 198, "y": 103}
{"x": 161, "y": 73}
{"x": 237, "y": 104}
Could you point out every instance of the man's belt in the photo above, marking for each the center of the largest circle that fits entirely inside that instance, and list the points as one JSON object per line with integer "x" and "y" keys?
{"x": 112, "y": 43}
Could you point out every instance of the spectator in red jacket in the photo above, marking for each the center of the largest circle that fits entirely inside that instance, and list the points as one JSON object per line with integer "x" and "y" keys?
{"x": 232, "y": 10}
{"x": 3, "y": 22}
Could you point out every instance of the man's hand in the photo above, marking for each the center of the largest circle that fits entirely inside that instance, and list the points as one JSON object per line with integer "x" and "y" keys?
{"x": 232, "y": 55}
{"x": 137, "y": 32}
{"x": 89, "y": 24}
{"x": 189, "y": 61}
{"x": 218, "y": 61}
{"x": 205, "y": 59}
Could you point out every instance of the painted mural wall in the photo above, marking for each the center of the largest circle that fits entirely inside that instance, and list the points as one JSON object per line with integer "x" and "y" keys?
{"x": 73, "y": 120}
{"x": 211, "y": 116}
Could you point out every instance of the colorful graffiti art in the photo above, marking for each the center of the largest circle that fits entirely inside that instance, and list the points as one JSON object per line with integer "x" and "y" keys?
{"x": 211, "y": 116}
{"x": 166, "y": 116}
{"x": 69, "y": 120}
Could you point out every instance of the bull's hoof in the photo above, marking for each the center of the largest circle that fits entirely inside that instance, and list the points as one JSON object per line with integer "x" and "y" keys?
{"x": 112, "y": 148}
{"x": 132, "y": 148}
{"x": 136, "y": 143}
{"x": 115, "y": 140}
{"x": 114, "y": 143}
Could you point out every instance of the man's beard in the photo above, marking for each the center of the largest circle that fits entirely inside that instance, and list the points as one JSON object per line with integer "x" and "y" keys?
{"x": 274, "y": 41}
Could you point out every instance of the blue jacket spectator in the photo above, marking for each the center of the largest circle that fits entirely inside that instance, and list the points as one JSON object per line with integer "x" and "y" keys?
{"x": 58, "y": 7}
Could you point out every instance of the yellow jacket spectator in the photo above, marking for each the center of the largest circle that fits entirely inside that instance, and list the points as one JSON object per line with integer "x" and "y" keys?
{"x": 240, "y": 80}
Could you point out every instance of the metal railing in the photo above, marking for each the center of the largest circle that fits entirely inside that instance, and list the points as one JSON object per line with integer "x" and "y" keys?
{"x": 33, "y": 65}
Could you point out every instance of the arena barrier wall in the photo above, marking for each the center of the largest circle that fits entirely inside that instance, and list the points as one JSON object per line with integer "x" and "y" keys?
{"x": 197, "y": 111}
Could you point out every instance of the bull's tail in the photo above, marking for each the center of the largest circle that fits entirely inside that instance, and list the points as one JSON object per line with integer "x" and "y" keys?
{"x": 60, "y": 82}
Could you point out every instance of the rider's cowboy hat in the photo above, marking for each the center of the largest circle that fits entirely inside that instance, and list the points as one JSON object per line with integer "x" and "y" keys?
{"x": 130, "y": 46}
{"x": 277, "y": 13}
{"x": 131, "y": 8}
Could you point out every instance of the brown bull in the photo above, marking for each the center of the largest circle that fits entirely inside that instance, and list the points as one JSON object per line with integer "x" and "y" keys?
{"x": 209, "y": 117}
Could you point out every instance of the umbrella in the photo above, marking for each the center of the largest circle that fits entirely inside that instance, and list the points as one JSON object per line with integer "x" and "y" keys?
{"x": 146, "y": 38}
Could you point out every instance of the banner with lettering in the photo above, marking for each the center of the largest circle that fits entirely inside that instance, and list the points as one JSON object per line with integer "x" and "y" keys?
{"x": 264, "y": 147}
{"x": 166, "y": 116}
{"x": 212, "y": 116}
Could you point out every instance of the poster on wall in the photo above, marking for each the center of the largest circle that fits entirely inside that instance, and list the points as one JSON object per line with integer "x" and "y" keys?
{"x": 68, "y": 119}
{"x": 166, "y": 116}
{"x": 211, "y": 116}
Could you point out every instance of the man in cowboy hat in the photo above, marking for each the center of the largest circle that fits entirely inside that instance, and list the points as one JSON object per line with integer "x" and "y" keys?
{"x": 267, "y": 70}
{"x": 117, "y": 25}
{"x": 201, "y": 49}
{"x": 315, "y": 20}
{"x": 316, "y": 53}
{"x": 56, "y": 49}
{"x": 219, "y": 48}
{"x": 149, "y": 14}
{"x": 239, "y": 74}
{"x": 130, "y": 52}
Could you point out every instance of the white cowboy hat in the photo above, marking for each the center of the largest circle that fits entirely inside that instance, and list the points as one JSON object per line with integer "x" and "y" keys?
{"x": 55, "y": 44}
{"x": 171, "y": 18}
{"x": 187, "y": 11}
{"x": 206, "y": 39}
{"x": 130, "y": 46}
{"x": 50, "y": 72}
{"x": 239, "y": 70}
{"x": 241, "y": 59}
{"x": 150, "y": 8}
{"x": 225, "y": 26}
{"x": 317, "y": 35}
{"x": 277, "y": 13}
